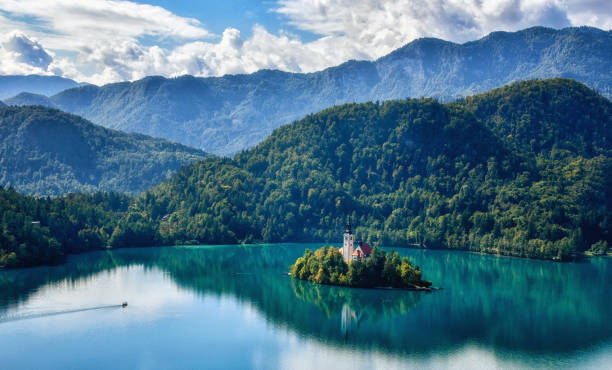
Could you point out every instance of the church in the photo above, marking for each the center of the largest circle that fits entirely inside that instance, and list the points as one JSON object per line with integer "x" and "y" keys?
{"x": 349, "y": 252}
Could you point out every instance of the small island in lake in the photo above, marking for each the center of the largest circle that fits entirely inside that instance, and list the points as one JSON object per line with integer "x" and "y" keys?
{"x": 361, "y": 267}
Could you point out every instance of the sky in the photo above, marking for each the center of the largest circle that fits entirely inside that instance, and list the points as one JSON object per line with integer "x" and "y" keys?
{"x": 104, "y": 41}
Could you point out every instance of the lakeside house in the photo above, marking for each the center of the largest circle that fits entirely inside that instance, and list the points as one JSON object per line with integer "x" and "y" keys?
{"x": 348, "y": 250}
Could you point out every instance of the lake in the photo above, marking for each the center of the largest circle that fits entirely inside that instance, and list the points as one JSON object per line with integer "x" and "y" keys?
{"x": 232, "y": 307}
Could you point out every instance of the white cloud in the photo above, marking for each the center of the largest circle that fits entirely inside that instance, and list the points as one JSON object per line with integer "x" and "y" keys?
{"x": 123, "y": 40}
{"x": 233, "y": 54}
{"x": 70, "y": 24}
{"x": 379, "y": 27}
{"x": 117, "y": 60}
{"x": 26, "y": 51}
{"x": 106, "y": 36}
{"x": 22, "y": 55}
{"x": 596, "y": 13}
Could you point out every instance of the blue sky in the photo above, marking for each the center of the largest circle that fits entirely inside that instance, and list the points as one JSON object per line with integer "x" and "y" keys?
{"x": 216, "y": 16}
{"x": 103, "y": 41}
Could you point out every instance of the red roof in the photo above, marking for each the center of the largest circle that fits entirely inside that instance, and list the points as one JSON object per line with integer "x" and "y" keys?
{"x": 365, "y": 247}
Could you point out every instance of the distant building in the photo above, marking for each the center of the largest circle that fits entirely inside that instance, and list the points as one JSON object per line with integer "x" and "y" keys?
{"x": 349, "y": 252}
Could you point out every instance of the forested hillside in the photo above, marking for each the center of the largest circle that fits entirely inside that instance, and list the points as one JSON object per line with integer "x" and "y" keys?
{"x": 537, "y": 117}
{"x": 48, "y": 152}
{"x": 525, "y": 170}
{"x": 36, "y": 231}
{"x": 224, "y": 115}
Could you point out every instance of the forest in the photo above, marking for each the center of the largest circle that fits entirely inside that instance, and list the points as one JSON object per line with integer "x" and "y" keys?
{"x": 524, "y": 170}
{"x": 45, "y": 151}
{"x": 36, "y": 231}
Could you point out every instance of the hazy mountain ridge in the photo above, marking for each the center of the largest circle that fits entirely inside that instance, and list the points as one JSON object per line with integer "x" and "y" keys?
{"x": 48, "y": 152}
{"x": 225, "y": 115}
{"x": 35, "y": 84}
{"x": 27, "y": 98}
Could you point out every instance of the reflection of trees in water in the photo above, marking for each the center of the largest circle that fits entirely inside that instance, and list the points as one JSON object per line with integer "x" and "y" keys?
{"x": 372, "y": 304}
{"x": 185, "y": 263}
{"x": 500, "y": 302}
{"x": 354, "y": 306}
{"x": 517, "y": 303}
{"x": 18, "y": 285}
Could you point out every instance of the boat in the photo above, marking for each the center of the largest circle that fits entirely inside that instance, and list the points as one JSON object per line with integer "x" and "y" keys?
{"x": 124, "y": 304}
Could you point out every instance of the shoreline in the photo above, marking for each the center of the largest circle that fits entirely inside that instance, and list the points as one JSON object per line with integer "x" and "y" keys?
{"x": 415, "y": 288}
{"x": 583, "y": 255}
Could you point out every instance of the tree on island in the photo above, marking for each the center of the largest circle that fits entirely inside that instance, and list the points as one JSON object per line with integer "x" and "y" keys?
{"x": 382, "y": 269}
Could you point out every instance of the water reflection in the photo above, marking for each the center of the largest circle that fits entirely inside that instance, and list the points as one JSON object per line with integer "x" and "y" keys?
{"x": 360, "y": 314}
{"x": 510, "y": 304}
{"x": 349, "y": 318}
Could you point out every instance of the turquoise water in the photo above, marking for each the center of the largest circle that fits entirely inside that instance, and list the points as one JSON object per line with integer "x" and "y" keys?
{"x": 232, "y": 307}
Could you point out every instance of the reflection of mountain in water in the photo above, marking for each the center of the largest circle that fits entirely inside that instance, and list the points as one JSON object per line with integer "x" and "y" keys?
{"x": 499, "y": 302}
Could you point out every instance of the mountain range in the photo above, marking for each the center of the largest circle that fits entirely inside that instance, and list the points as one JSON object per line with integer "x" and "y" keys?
{"x": 44, "y": 151}
{"x": 35, "y": 84}
{"x": 225, "y": 115}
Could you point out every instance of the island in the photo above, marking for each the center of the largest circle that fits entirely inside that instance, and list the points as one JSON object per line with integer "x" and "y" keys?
{"x": 361, "y": 267}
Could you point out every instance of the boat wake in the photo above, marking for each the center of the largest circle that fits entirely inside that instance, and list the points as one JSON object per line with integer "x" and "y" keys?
{"x": 19, "y": 317}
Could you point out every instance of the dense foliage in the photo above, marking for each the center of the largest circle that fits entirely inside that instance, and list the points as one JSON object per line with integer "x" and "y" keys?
{"x": 414, "y": 172}
{"x": 382, "y": 269}
{"x": 37, "y": 231}
{"x": 224, "y": 115}
{"x": 47, "y": 152}
{"x": 525, "y": 170}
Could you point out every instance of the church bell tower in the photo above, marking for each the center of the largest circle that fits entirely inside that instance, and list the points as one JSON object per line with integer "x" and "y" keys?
{"x": 349, "y": 243}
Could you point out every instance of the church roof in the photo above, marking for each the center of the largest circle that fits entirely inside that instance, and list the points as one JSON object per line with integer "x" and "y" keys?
{"x": 365, "y": 248}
